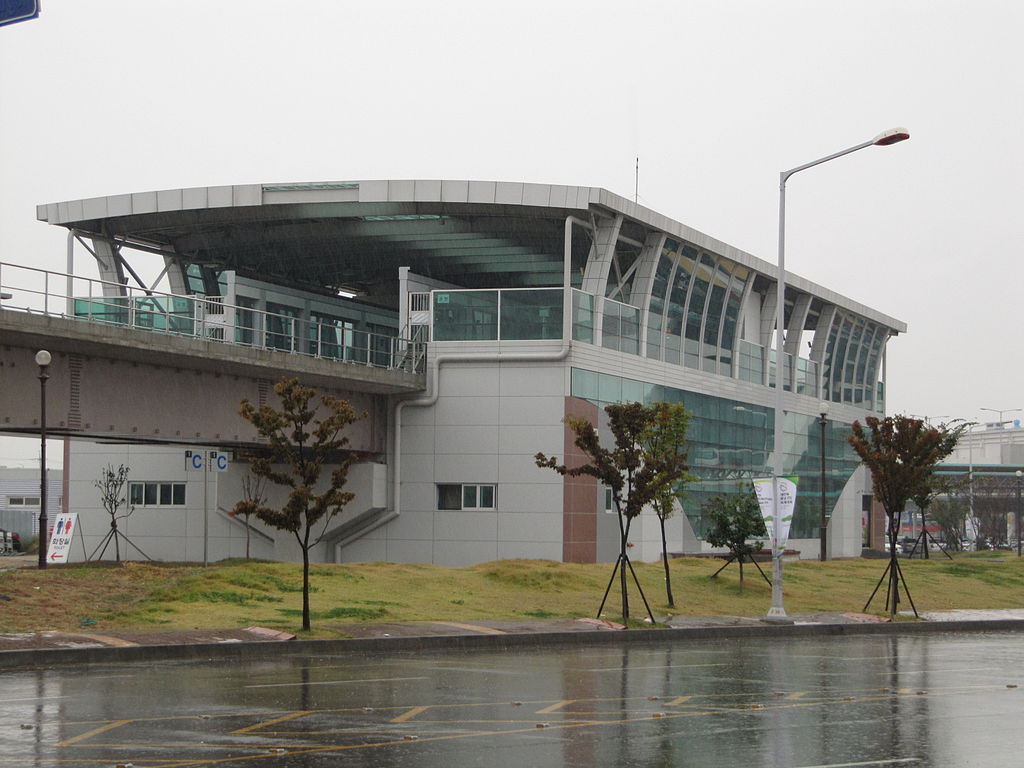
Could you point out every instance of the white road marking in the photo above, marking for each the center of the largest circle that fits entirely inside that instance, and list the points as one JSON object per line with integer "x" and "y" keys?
{"x": 337, "y": 682}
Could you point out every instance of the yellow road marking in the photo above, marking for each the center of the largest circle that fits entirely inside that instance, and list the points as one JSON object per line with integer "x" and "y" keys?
{"x": 409, "y": 715}
{"x": 275, "y": 721}
{"x": 93, "y": 732}
{"x": 555, "y": 707}
{"x": 117, "y": 642}
{"x": 677, "y": 701}
{"x": 472, "y": 627}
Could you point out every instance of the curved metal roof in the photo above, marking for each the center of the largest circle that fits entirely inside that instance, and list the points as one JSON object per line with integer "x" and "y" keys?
{"x": 355, "y": 235}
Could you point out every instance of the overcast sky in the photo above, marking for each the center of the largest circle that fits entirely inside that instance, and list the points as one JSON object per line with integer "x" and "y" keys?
{"x": 103, "y": 97}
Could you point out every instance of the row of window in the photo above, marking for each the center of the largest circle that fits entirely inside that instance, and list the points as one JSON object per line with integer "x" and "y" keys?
{"x": 151, "y": 494}
{"x": 462, "y": 496}
{"x": 23, "y": 501}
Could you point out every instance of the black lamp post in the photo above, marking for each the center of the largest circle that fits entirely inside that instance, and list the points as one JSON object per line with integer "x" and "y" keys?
{"x": 823, "y": 421}
{"x": 1018, "y": 473}
{"x": 43, "y": 359}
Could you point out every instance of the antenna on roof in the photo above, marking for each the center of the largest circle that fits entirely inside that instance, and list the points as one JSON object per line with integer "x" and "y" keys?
{"x": 636, "y": 186}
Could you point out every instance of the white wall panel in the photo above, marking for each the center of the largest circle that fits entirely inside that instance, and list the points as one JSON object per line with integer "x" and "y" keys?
{"x": 543, "y": 411}
{"x": 459, "y": 380}
{"x": 365, "y": 550}
{"x": 458, "y": 554}
{"x": 466, "y": 468}
{"x": 522, "y": 468}
{"x": 404, "y": 551}
{"x": 532, "y": 497}
{"x": 466, "y": 439}
{"x": 530, "y": 439}
{"x": 412, "y": 524}
{"x": 530, "y": 526}
{"x": 531, "y": 380}
{"x": 466, "y": 410}
{"x": 471, "y": 524}
{"x": 417, "y": 439}
{"x": 417, "y": 469}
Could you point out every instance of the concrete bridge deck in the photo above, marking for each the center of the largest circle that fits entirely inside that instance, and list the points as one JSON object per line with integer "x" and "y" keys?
{"x": 115, "y": 382}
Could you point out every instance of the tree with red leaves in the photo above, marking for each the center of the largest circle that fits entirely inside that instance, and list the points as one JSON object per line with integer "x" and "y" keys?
{"x": 634, "y": 473}
{"x": 901, "y": 453}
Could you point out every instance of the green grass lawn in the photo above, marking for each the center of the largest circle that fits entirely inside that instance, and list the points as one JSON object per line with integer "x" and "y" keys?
{"x": 239, "y": 593}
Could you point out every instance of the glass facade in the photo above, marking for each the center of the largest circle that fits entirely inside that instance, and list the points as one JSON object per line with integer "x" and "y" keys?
{"x": 694, "y": 314}
{"x": 694, "y": 310}
{"x": 621, "y": 327}
{"x": 155, "y": 313}
{"x": 731, "y": 441}
{"x": 531, "y": 314}
{"x": 852, "y": 358}
{"x": 582, "y": 317}
{"x": 509, "y": 314}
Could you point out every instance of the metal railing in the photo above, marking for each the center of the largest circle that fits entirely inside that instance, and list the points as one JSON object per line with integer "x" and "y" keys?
{"x": 59, "y": 294}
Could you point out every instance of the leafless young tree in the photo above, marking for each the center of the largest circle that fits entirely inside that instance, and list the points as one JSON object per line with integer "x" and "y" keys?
{"x": 254, "y": 496}
{"x": 113, "y": 487}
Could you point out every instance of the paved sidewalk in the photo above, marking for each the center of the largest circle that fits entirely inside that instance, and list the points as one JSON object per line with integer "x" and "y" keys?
{"x": 26, "y": 641}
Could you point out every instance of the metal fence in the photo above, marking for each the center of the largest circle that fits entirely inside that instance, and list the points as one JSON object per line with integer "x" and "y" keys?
{"x": 40, "y": 291}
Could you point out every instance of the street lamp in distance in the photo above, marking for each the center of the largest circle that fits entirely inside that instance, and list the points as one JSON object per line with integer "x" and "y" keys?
{"x": 823, "y": 421}
{"x": 1018, "y": 473}
{"x": 43, "y": 359}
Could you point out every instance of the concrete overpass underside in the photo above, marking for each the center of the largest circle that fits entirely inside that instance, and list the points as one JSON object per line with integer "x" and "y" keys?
{"x": 115, "y": 383}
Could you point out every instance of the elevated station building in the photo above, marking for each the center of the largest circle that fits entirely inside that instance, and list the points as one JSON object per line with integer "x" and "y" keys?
{"x": 533, "y": 302}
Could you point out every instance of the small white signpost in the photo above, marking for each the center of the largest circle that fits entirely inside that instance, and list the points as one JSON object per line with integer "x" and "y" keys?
{"x": 60, "y": 539}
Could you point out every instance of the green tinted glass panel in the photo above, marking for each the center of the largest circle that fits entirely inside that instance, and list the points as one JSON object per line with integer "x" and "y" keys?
{"x": 487, "y": 497}
{"x": 466, "y": 316}
{"x": 531, "y": 314}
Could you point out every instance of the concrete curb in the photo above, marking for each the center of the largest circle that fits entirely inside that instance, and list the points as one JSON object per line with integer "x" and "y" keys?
{"x": 50, "y": 657}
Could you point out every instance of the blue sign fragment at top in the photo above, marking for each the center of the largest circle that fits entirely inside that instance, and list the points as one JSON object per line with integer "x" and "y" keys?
{"x": 12, "y": 11}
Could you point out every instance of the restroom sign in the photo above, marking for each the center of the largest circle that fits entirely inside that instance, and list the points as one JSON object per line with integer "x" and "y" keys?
{"x": 60, "y": 537}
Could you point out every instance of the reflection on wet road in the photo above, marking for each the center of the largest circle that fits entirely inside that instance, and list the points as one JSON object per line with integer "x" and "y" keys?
{"x": 944, "y": 700}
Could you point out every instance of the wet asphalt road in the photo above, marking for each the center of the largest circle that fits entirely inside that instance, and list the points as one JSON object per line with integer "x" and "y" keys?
{"x": 937, "y": 700}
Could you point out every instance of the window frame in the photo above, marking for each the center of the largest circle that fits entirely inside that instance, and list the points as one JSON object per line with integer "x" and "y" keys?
{"x": 467, "y": 491}
{"x": 23, "y": 502}
{"x": 152, "y": 492}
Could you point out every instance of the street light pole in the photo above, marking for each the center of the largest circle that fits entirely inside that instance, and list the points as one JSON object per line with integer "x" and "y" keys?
{"x": 1001, "y": 411}
{"x": 43, "y": 359}
{"x": 881, "y": 140}
{"x": 1018, "y": 473}
{"x": 823, "y": 409}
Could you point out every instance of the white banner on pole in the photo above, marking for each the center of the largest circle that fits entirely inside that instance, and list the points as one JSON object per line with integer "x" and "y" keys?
{"x": 777, "y": 526}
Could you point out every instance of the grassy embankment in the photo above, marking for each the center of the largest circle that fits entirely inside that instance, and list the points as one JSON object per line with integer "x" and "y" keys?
{"x": 237, "y": 593}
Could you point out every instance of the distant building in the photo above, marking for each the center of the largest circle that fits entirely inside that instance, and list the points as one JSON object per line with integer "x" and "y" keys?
{"x": 19, "y": 499}
{"x": 537, "y": 301}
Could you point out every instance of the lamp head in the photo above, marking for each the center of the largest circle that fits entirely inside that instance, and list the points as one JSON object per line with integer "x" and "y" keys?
{"x": 43, "y": 358}
{"x": 1018, "y": 473}
{"x": 823, "y": 407}
{"x": 892, "y": 136}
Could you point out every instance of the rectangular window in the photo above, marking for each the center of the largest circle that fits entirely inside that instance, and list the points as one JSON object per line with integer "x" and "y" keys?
{"x": 150, "y": 494}
{"x": 22, "y": 501}
{"x": 465, "y": 496}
